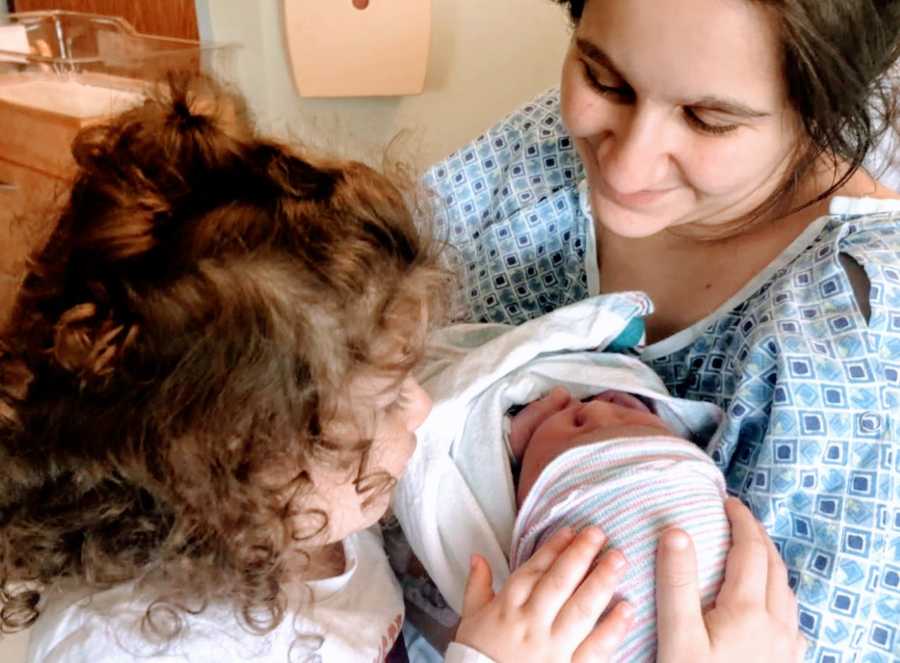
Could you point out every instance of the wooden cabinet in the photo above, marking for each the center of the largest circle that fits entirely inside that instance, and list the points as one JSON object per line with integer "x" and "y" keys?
{"x": 36, "y": 166}
{"x": 28, "y": 204}
{"x": 167, "y": 18}
{"x": 75, "y": 70}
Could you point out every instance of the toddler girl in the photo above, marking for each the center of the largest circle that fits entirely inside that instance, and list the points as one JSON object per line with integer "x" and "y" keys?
{"x": 205, "y": 402}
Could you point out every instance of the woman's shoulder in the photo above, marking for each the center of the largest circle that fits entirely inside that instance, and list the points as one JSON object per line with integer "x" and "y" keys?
{"x": 863, "y": 194}
{"x": 858, "y": 219}
{"x": 509, "y": 203}
{"x": 519, "y": 160}
{"x": 852, "y": 250}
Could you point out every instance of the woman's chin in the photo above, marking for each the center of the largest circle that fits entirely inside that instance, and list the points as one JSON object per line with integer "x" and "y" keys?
{"x": 630, "y": 223}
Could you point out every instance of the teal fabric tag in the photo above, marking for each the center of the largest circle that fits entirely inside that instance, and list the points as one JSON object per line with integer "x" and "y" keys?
{"x": 630, "y": 337}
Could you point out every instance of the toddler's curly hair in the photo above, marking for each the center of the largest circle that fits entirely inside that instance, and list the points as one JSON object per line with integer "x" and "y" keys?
{"x": 202, "y": 302}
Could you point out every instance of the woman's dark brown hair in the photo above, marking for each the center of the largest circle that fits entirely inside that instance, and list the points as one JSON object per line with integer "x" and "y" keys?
{"x": 197, "y": 312}
{"x": 837, "y": 58}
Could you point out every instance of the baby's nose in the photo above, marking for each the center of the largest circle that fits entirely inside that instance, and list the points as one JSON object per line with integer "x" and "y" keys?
{"x": 597, "y": 413}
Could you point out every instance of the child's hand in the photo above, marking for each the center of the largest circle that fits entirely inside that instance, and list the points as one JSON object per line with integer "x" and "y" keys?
{"x": 550, "y": 606}
{"x": 755, "y": 615}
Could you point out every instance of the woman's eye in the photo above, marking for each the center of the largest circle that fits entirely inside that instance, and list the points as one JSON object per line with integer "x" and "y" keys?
{"x": 705, "y": 127}
{"x": 622, "y": 92}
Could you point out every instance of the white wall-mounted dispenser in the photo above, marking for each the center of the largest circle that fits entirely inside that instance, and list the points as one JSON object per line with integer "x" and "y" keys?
{"x": 358, "y": 48}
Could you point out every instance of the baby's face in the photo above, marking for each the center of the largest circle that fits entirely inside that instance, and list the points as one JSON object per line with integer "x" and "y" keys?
{"x": 557, "y": 422}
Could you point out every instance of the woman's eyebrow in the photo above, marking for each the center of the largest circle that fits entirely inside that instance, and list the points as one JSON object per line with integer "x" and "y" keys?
{"x": 595, "y": 53}
{"x": 710, "y": 102}
{"x": 729, "y": 106}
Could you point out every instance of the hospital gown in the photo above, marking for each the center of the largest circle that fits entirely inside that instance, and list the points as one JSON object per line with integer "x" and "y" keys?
{"x": 810, "y": 385}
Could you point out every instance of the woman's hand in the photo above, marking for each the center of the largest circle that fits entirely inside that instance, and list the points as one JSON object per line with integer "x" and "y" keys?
{"x": 550, "y": 606}
{"x": 755, "y": 615}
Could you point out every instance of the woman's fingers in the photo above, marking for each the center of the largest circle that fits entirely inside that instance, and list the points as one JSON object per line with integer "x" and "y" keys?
{"x": 802, "y": 645}
{"x": 746, "y": 568}
{"x": 680, "y": 625}
{"x": 478, "y": 591}
{"x": 603, "y": 641}
{"x": 580, "y": 613}
{"x": 780, "y": 600}
{"x": 566, "y": 573}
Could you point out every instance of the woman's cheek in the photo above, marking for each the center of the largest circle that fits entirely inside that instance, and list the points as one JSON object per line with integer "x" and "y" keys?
{"x": 583, "y": 112}
{"x": 719, "y": 165}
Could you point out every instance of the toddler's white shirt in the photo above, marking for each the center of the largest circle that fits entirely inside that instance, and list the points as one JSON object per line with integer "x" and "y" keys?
{"x": 356, "y": 616}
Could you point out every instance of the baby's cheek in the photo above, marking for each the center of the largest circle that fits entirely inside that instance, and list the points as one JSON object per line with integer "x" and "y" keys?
{"x": 528, "y": 474}
{"x": 518, "y": 437}
{"x": 539, "y": 453}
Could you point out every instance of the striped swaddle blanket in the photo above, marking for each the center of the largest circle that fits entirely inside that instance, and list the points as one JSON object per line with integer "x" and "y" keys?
{"x": 633, "y": 488}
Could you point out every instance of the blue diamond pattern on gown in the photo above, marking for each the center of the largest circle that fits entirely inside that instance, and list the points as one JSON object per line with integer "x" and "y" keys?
{"x": 811, "y": 388}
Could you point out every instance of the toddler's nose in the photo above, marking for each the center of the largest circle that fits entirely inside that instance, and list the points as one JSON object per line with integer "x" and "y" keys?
{"x": 419, "y": 407}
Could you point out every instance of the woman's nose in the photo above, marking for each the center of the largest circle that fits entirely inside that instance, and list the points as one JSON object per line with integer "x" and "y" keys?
{"x": 634, "y": 152}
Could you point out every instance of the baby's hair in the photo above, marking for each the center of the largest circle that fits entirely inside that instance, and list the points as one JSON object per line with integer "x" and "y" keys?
{"x": 201, "y": 305}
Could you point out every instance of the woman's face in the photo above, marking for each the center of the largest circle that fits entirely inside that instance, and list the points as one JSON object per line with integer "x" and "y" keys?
{"x": 678, "y": 109}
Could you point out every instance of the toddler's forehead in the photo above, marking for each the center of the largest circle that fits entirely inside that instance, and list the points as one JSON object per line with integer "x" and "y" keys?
{"x": 358, "y": 402}
{"x": 375, "y": 387}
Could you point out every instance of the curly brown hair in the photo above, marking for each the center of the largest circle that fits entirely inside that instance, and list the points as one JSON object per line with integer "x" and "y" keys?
{"x": 836, "y": 57}
{"x": 202, "y": 303}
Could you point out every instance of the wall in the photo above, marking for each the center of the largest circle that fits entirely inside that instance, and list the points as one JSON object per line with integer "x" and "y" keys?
{"x": 487, "y": 57}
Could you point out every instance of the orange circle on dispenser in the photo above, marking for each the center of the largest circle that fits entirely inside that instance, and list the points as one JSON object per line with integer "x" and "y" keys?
{"x": 361, "y": 4}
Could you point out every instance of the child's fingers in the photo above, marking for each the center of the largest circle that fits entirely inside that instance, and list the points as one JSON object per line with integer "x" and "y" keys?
{"x": 580, "y": 613}
{"x": 746, "y": 568}
{"x": 601, "y": 644}
{"x": 680, "y": 624}
{"x": 478, "y": 591}
{"x": 562, "y": 578}
{"x": 521, "y": 583}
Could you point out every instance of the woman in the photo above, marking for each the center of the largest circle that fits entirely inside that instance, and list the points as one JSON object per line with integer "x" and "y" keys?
{"x": 708, "y": 153}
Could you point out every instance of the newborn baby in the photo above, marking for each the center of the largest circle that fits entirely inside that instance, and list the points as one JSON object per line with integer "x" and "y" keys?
{"x": 547, "y": 427}
{"x": 599, "y": 442}
{"x": 609, "y": 460}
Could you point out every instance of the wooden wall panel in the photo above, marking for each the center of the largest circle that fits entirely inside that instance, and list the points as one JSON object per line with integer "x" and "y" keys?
{"x": 169, "y": 18}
